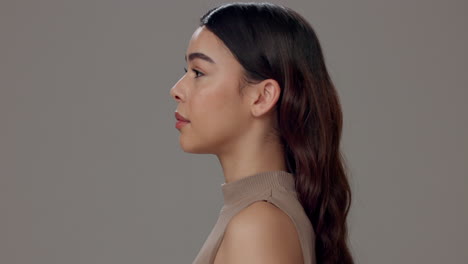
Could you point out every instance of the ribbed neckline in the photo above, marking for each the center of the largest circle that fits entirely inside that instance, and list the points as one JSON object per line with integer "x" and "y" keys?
{"x": 256, "y": 184}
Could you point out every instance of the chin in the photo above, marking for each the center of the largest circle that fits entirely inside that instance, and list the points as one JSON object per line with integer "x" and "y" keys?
{"x": 196, "y": 146}
{"x": 192, "y": 147}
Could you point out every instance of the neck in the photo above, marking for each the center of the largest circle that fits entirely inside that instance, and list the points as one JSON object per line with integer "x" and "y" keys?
{"x": 248, "y": 159}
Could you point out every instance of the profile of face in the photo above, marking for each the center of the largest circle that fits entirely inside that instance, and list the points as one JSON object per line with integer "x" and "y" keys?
{"x": 208, "y": 96}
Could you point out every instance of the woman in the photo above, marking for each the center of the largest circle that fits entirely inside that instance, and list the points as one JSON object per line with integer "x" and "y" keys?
{"x": 257, "y": 94}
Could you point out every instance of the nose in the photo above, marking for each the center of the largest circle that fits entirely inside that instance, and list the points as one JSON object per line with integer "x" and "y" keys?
{"x": 176, "y": 92}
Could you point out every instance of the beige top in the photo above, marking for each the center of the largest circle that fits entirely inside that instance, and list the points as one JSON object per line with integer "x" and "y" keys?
{"x": 276, "y": 187}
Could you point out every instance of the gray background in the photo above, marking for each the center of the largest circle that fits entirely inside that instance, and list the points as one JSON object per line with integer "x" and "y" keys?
{"x": 90, "y": 163}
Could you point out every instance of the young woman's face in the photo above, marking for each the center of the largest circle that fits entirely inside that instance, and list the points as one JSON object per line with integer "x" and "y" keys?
{"x": 207, "y": 95}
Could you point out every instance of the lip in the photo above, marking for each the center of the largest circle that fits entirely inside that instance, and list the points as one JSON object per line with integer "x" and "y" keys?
{"x": 180, "y": 124}
{"x": 179, "y": 117}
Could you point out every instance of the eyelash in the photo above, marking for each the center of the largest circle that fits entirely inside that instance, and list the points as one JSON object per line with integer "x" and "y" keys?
{"x": 196, "y": 72}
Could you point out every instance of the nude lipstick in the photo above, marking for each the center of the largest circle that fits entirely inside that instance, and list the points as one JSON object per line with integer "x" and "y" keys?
{"x": 181, "y": 121}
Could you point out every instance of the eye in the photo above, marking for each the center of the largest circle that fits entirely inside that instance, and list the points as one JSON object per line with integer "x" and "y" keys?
{"x": 196, "y": 72}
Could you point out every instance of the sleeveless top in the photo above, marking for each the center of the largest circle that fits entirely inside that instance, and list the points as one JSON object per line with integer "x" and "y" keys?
{"x": 276, "y": 187}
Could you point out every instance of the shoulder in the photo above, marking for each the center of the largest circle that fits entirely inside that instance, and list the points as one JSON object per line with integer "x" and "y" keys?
{"x": 261, "y": 233}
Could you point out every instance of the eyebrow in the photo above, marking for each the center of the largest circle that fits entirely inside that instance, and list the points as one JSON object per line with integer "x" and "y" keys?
{"x": 199, "y": 55}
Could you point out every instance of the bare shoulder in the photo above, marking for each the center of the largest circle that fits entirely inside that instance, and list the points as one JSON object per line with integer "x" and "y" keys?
{"x": 260, "y": 233}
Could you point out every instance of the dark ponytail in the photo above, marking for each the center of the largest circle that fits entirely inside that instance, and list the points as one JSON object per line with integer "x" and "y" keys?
{"x": 273, "y": 41}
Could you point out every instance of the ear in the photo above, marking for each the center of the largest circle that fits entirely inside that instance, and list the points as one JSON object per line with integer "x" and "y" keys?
{"x": 264, "y": 97}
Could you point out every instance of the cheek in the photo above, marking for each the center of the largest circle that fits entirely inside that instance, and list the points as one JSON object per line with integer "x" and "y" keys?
{"x": 218, "y": 115}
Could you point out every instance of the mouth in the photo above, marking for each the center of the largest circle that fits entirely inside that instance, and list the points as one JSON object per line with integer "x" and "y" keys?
{"x": 181, "y": 118}
{"x": 180, "y": 124}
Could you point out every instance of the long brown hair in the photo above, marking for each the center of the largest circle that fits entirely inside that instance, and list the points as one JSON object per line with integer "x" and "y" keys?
{"x": 273, "y": 41}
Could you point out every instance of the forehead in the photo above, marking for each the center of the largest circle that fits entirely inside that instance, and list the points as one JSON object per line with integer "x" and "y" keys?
{"x": 207, "y": 42}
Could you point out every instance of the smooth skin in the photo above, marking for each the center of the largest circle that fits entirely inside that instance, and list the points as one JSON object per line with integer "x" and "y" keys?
{"x": 260, "y": 233}
{"x": 237, "y": 129}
